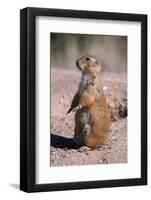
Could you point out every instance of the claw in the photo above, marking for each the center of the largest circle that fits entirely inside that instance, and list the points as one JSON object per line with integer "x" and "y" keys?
{"x": 77, "y": 108}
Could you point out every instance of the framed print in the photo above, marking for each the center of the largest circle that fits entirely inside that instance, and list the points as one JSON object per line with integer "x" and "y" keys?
{"x": 83, "y": 99}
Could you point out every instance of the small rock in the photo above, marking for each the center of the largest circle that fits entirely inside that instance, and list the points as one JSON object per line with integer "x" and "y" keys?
{"x": 82, "y": 149}
{"x": 105, "y": 160}
{"x": 105, "y": 88}
{"x": 114, "y": 138}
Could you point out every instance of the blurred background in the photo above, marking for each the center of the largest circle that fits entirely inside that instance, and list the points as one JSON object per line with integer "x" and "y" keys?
{"x": 111, "y": 51}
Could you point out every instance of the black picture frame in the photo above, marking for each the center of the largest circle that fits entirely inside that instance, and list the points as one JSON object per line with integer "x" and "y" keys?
{"x": 28, "y": 99}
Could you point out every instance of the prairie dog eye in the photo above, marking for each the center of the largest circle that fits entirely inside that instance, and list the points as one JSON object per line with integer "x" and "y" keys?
{"x": 87, "y": 59}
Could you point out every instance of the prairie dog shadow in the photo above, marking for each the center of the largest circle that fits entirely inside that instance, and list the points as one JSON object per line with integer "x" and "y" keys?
{"x": 58, "y": 141}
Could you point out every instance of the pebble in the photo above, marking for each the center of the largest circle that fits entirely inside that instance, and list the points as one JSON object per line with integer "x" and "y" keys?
{"x": 105, "y": 88}
{"x": 114, "y": 138}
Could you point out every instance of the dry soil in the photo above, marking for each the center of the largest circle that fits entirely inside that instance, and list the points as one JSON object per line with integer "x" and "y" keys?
{"x": 64, "y": 84}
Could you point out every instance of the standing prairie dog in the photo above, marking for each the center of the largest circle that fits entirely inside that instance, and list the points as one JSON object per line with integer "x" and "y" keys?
{"x": 92, "y": 118}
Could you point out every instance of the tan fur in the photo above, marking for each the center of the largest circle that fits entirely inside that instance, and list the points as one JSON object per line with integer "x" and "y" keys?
{"x": 92, "y": 118}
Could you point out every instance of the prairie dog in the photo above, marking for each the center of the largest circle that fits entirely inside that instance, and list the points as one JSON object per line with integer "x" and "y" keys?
{"x": 92, "y": 118}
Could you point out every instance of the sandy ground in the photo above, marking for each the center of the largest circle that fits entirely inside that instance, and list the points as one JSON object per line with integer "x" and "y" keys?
{"x": 63, "y": 152}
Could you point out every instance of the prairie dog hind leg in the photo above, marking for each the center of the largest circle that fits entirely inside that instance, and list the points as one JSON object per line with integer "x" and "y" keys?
{"x": 83, "y": 127}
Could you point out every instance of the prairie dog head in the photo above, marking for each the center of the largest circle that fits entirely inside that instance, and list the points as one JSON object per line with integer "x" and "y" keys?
{"x": 87, "y": 63}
